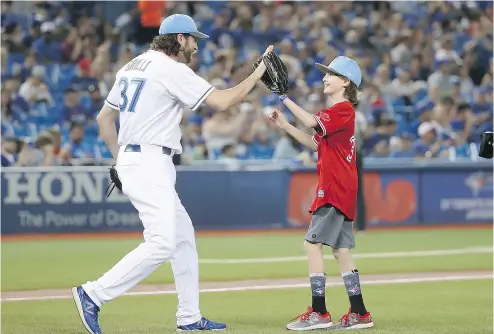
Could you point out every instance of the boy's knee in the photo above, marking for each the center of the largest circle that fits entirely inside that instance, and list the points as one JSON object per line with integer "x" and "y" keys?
{"x": 339, "y": 252}
{"x": 309, "y": 246}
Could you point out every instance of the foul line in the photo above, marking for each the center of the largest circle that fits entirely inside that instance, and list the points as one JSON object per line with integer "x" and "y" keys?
{"x": 388, "y": 255}
{"x": 279, "y": 287}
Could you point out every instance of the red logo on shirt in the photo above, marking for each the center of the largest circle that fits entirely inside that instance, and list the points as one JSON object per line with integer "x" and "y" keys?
{"x": 324, "y": 116}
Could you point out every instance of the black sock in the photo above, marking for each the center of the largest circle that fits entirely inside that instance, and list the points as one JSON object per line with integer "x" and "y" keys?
{"x": 352, "y": 284}
{"x": 318, "y": 286}
{"x": 357, "y": 304}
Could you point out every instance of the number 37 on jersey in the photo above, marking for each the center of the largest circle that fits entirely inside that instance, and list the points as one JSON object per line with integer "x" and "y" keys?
{"x": 130, "y": 91}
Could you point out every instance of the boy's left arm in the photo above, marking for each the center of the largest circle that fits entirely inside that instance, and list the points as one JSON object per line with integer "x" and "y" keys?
{"x": 306, "y": 118}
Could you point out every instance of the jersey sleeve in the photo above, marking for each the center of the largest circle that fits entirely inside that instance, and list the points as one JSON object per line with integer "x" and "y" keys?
{"x": 188, "y": 87}
{"x": 329, "y": 123}
{"x": 317, "y": 137}
{"x": 113, "y": 98}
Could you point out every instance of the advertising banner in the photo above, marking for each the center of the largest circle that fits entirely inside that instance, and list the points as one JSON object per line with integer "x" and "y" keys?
{"x": 74, "y": 201}
{"x": 456, "y": 197}
{"x": 391, "y": 197}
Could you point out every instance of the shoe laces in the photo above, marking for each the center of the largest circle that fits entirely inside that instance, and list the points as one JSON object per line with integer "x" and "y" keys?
{"x": 304, "y": 316}
{"x": 345, "y": 318}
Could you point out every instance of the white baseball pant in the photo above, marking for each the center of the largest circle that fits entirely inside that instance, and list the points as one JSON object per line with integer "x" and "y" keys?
{"x": 148, "y": 179}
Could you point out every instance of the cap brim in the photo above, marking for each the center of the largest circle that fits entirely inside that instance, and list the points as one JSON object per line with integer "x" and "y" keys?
{"x": 322, "y": 68}
{"x": 199, "y": 35}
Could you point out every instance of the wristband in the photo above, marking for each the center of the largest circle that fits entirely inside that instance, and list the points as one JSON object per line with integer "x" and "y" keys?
{"x": 282, "y": 97}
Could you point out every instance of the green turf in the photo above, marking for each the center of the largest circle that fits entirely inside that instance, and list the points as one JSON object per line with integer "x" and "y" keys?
{"x": 439, "y": 308}
{"x": 61, "y": 264}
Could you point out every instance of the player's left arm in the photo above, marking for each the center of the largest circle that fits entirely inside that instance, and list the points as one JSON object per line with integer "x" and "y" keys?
{"x": 305, "y": 117}
{"x": 108, "y": 130}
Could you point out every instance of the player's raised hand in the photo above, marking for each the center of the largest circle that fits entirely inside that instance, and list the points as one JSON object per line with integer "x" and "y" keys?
{"x": 278, "y": 118}
{"x": 261, "y": 67}
{"x": 268, "y": 50}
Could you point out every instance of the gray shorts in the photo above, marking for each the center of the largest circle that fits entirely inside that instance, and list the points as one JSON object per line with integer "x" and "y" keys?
{"x": 330, "y": 227}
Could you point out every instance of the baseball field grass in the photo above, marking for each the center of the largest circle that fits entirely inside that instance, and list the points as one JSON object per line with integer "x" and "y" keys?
{"x": 439, "y": 308}
{"x": 398, "y": 305}
{"x": 63, "y": 263}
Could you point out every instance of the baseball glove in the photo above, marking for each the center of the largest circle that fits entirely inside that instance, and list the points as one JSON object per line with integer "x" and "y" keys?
{"x": 115, "y": 181}
{"x": 276, "y": 75}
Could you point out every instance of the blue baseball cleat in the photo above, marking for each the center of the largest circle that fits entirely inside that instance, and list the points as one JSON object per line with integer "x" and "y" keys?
{"x": 88, "y": 310}
{"x": 202, "y": 325}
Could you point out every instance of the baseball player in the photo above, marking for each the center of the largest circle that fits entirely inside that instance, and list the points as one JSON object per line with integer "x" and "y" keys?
{"x": 333, "y": 209}
{"x": 149, "y": 96}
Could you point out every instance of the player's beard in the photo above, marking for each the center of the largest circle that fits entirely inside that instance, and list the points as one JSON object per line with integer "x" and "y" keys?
{"x": 188, "y": 55}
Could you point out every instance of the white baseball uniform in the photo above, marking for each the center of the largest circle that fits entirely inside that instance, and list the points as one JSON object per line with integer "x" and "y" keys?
{"x": 150, "y": 92}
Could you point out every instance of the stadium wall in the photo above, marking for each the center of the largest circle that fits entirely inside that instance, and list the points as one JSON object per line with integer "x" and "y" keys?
{"x": 72, "y": 199}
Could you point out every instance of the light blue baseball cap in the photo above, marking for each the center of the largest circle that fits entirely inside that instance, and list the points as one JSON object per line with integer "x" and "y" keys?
{"x": 180, "y": 24}
{"x": 343, "y": 66}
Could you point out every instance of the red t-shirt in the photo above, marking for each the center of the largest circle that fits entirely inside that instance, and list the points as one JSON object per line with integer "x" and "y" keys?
{"x": 335, "y": 139}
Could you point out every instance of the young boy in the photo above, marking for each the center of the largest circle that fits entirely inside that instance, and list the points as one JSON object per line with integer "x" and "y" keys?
{"x": 333, "y": 209}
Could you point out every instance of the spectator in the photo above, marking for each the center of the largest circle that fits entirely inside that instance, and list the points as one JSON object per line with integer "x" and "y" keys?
{"x": 6, "y": 102}
{"x": 286, "y": 147}
{"x": 16, "y": 106}
{"x": 262, "y": 148}
{"x": 72, "y": 109}
{"x": 379, "y": 141}
{"x": 198, "y": 152}
{"x": 222, "y": 129}
{"x": 398, "y": 46}
{"x": 403, "y": 85}
{"x": 426, "y": 146}
{"x": 95, "y": 102}
{"x": 442, "y": 116}
{"x": 463, "y": 122}
{"x": 422, "y": 114}
{"x": 46, "y": 151}
{"x": 11, "y": 152}
{"x": 56, "y": 139}
{"x": 228, "y": 153}
{"x": 27, "y": 68}
{"x": 401, "y": 54}
{"x": 439, "y": 82}
{"x": 466, "y": 85}
{"x": 402, "y": 148}
{"x": 71, "y": 48}
{"x": 76, "y": 148}
{"x": 84, "y": 79}
{"x": 13, "y": 38}
{"x": 382, "y": 80}
{"x": 446, "y": 52}
{"x": 34, "y": 90}
{"x": 46, "y": 47}
{"x": 418, "y": 71}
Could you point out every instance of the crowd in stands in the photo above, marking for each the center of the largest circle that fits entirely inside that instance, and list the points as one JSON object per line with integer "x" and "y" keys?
{"x": 426, "y": 92}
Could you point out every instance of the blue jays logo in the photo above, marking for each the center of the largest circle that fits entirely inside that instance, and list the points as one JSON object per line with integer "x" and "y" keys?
{"x": 479, "y": 182}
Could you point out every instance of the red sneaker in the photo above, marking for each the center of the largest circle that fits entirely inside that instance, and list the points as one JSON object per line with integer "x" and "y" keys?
{"x": 353, "y": 320}
{"x": 310, "y": 320}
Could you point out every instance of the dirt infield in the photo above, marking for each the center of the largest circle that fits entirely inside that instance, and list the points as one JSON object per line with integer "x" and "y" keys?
{"x": 263, "y": 284}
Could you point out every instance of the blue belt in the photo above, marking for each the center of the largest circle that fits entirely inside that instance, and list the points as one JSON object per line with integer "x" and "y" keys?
{"x": 137, "y": 148}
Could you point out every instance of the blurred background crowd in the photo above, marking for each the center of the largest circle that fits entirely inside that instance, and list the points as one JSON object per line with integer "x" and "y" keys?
{"x": 426, "y": 92}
